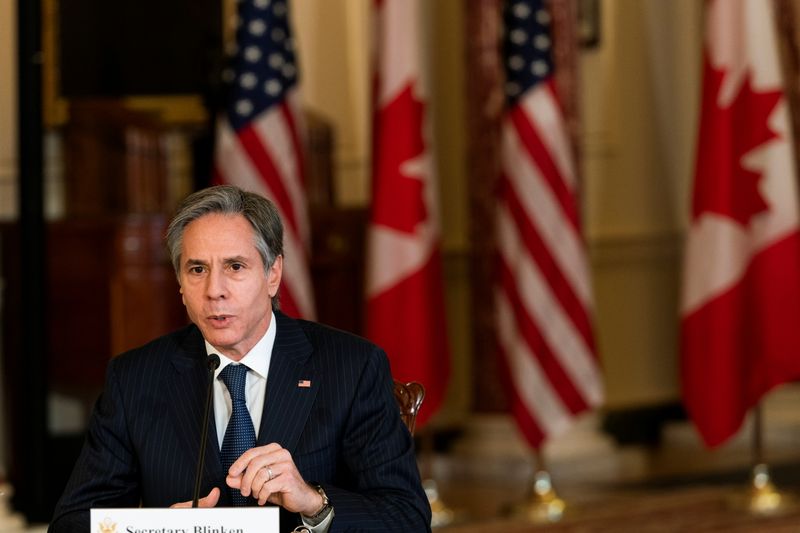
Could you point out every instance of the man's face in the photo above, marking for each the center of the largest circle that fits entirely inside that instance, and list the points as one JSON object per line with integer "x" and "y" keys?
{"x": 225, "y": 289}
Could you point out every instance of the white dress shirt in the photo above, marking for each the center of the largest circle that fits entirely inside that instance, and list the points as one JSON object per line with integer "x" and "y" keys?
{"x": 257, "y": 360}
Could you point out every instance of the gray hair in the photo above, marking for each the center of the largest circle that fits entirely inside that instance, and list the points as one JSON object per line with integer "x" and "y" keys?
{"x": 227, "y": 199}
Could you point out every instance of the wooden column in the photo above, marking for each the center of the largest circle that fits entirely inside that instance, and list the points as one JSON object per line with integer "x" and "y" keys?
{"x": 485, "y": 102}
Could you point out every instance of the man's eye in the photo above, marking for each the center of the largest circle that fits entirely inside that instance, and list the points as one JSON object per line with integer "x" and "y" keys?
{"x": 237, "y": 267}
{"x": 196, "y": 270}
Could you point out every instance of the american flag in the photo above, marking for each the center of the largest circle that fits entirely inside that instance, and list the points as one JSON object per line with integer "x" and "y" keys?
{"x": 543, "y": 295}
{"x": 259, "y": 145}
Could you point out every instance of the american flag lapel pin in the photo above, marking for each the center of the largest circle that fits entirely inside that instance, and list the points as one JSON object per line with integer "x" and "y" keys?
{"x": 304, "y": 383}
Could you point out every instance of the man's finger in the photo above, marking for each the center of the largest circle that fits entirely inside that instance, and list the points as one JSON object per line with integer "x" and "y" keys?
{"x": 241, "y": 464}
{"x": 211, "y": 500}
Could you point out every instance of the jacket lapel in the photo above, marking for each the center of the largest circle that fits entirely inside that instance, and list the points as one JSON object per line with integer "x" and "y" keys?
{"x": 187, "y": 399}
{"x": 292, "y": 385}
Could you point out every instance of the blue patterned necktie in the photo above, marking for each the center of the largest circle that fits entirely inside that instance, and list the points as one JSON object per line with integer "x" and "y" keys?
{"x": 240, "y": 435}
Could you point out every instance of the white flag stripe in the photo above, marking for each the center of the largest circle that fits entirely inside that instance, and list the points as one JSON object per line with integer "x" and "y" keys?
{"x": 541, "y": 305}
{"x": 238, "y": 169}
{"x": 232, "y": 162}
{"x": 276, "y": 137}
{"x": 296, "y": 276}
{"x": 543, "y": 113}
{"x": 543, "y": 210}
{"x": 534, "y": 389}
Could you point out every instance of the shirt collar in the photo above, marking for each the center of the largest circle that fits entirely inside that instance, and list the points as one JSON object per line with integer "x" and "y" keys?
{"x": 259, "y": 356}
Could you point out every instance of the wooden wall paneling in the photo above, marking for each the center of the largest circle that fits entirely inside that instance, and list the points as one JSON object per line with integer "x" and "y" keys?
{"x": 145, "y": 301}
{"x": 110, "y": 288}
{"x": 337, "y": 265}
{"x": 80, "y": 256}
{"x": 115, "y": 160}
{"x": 320, "y": 185}
{"x": 338, "y": 235}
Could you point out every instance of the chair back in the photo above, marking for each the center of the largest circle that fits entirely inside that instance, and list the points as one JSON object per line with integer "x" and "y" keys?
{"x": 409, "y": 398}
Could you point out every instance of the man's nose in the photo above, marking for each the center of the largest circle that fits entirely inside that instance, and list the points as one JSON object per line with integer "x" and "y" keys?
{"x": 216, "y": 286}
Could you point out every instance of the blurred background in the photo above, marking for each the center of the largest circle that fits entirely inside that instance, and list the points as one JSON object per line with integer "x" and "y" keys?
{"x": 108, "y": 117}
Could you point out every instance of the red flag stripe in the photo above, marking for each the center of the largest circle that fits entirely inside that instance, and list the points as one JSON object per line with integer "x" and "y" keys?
{"x": 262, "y": 160}
{"x": 554, "y": 277}
{"x": 557, "y": 326}
{"x": 561, "y": 238}
{"x": 249, "y": 163}
{"x": 544, "y": 163}
{"x": 529, "y": 332}
{"x": 287, "y": 301}
{"x": 235, "y": 166}
{"x": 544, "y": 110}
{"x": 281, "y": 141}
{"x": 530, "y": 428}
{"x": 291, "y": 113}
{"x": 540, "y": 399}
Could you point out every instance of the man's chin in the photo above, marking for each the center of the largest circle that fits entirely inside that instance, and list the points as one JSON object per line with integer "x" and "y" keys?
{"x": 218, "y": 339}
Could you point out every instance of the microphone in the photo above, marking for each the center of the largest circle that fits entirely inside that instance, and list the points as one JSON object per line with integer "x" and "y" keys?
{"x": 213, "y": 363}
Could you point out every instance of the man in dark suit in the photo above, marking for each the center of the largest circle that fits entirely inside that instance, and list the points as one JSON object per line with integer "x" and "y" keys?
{"x": 330, "y": 448}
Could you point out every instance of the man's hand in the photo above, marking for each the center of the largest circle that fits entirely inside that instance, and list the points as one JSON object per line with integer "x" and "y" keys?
{"x": 209, "y": 501}
{"x": 270, "y": 475}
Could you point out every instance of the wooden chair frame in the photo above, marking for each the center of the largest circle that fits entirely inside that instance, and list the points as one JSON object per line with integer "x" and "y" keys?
{"x": 409, "y": 398}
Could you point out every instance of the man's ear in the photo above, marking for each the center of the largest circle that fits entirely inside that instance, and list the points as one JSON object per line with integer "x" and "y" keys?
{"x": 274, "y": 276}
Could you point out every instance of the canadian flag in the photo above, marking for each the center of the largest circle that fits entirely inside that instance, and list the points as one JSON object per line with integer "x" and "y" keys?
{"x": 405, "y": 301}
{"x": 741, "y": 292}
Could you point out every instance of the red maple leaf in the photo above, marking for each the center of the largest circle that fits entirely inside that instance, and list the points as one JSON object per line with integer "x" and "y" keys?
{"x": 397, "y": 197}
{"x": 722, "y": 185}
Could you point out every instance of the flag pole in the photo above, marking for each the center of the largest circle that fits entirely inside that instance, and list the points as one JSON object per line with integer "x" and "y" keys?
{"x": 761, "y": 497}
{"x": 542, "y": 504}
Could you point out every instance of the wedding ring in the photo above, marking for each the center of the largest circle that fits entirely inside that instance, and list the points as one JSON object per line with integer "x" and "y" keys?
{"x": 269, "y": 474}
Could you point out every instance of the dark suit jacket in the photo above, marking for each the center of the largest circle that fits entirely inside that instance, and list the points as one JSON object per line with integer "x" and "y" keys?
{"x": 344, "y": 431}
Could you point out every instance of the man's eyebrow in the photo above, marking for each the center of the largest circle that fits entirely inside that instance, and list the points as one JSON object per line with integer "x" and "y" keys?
{"x": 228, "y": 260}
{"x": 194, "y": 262}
